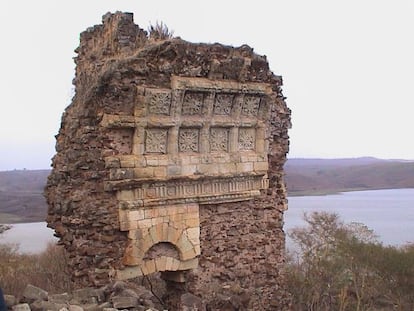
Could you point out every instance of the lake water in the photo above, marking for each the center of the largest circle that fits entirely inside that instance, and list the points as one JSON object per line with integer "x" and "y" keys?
{"x": 390, "y": 213}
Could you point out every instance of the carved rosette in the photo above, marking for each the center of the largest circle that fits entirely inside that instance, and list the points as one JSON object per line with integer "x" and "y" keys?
{"x": 247, "y": 138}
{"x": 159, "y": 103}
{"x": 219, "y": 139}
{"x": 192, "y": 103}
{"x": 156, "y": 140}
{"x": 188, "y": 140}
{"x": 250, "y": 106}
{"x": 223, "y": 104}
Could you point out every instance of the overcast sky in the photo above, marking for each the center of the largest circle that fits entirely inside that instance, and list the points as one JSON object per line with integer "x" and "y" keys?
{"x": 347, "y": 66}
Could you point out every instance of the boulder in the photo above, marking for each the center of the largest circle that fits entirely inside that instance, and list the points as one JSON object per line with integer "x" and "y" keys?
{"x": 33, "y": 293}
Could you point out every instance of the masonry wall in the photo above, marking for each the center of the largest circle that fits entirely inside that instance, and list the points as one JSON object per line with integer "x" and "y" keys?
{"x": 170, "y": 159}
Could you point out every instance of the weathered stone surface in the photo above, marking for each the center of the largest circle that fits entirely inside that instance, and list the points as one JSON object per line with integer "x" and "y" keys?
{"x": 120, "y": 302}
{"x": 171, "y": 154}
{"x": 21, "y": 307}
{"x": 60, "y": 298}
{"x": 189, "y": 302}
{"x": 34, "y": 293}
{"x": 10, "y": 300}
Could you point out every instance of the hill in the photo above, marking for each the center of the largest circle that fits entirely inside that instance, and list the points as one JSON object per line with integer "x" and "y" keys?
{"x": 322, "y": 176}
{"x": 21, "y": 198}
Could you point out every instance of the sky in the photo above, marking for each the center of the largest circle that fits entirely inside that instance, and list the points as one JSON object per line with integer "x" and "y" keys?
{"x": 347, "y": 67}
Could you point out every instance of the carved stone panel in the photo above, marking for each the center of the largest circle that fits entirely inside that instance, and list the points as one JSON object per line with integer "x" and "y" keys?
{"x": 219, "y": 139}
{"x": 192, "y": 103}
{"x": 250, "y": 106}
{"x": 223, "y": 104}
{"x": 156, "y": 140}
{"x": 247, "y": 138}
{"x": 159, "y": 102}
{"x": 188, "y": 140}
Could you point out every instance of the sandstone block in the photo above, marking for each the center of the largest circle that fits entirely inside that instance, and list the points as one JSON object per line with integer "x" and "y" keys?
{"x": 149, "y": 267}
{"x": 136, "y": 215}
{"x": 128, "y": 273}
{"x": 261, "y": 166}
{"x": 161, "y": 263}
{"x": 193, "y": 235}
{"x": 189, "y": 264}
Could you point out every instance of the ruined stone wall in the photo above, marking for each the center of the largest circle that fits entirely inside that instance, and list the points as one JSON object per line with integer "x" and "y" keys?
{"x": 170, "y": 159}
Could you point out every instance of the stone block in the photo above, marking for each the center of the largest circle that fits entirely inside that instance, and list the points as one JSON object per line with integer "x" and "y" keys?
{"x": 189, "y": 264}
{"x": 153, "y": 232}
{"x": 174, "y": 170}
{"x": 244, "y": 167}
{"x": 128, "y": 273}
{"x": 125, "y": 195}
{"x": 261, "y": 166}
{"x": 169, "y": 264}
{"x": 192, "y": 222}
{"x": 75, "y": 308}
{"x": 32, "y": 293}
{"x": 136, "y": 215}
{"x": 60, "y": 298}
{"x": 149, "y": 266}
{"x": 193, "y": 235}
{"x": 150, "y": 213}
{"x": 157, "y": 220}
{"x": 161, "y": 263}
{"x": 152, "y": 160}
{"x": 227, "y": 168}
{"x": 188, "y": 169}
{"x": 195, "y": 160}
{"x": 192, "y": 208}
{"x": 208, "y": 169}
{"x": 189, "y": 254}
{"x": 175, "y": 265}
{"x": 10, "y": 300}
{"x": 21, "y": 307}
{"x": 127, "y": 161}
{"x": 173, "y": 235}
{"x": 144, "y": 172}
{"x": 160, "y": 172}
{"x": 124, "y": 302}
{"x": 184, "y": 244}
{"x": 144, "y": 223}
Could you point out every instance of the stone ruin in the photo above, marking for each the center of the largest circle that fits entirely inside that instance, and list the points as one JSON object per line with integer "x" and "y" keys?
{"x": 170, "y": 160}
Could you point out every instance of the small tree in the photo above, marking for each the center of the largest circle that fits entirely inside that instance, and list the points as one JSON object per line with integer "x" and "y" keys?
{"x": 344, "y": 267}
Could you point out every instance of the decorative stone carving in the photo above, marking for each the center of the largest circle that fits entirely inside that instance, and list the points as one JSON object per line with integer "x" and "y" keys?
{"x": 159, "y": 103}
{"x": 192, "y": 103}
{"x": 219, "y": 139}
{"x": 156, "y": 140}
{"x": 250, "y": 106}
{"x": 188, "y": 140}
{"x": 199, "y": 191}
{"x": 247, "y": 138}
{"x": 223, "y": 104}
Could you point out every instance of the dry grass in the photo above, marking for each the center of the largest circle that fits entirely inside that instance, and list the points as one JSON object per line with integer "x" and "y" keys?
{"x": 159, "y": 31}
{"x": 47, "y": 270}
